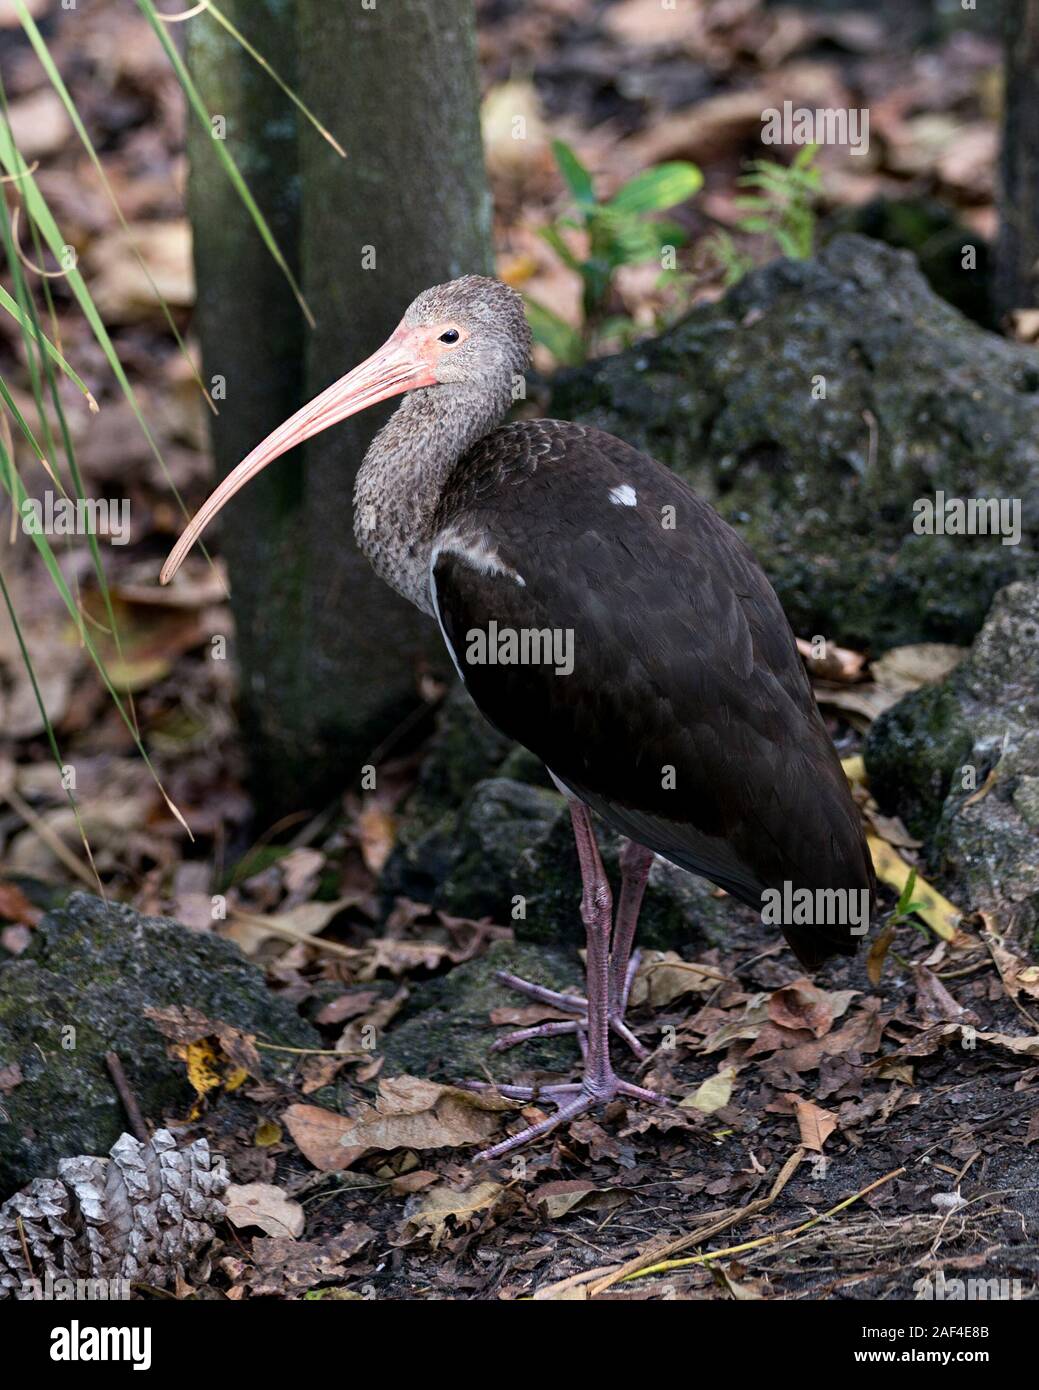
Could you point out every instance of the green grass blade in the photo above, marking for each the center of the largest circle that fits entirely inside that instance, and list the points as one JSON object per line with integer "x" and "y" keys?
{"x": 300, "y": 105}
{"x": 22, "y": 424}
{"x": 230, "y": 167}
{"x": 42, "y": 216}
{"x": 47, "y": 63}
{"x": 10, "y": 305}
{"x": 77, "y": 478}
{"x": 49, "y": 728}
{"x": 16, "y": 490}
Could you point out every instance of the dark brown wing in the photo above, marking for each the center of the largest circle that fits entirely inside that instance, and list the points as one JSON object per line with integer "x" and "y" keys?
{"x": 688, "y": 721}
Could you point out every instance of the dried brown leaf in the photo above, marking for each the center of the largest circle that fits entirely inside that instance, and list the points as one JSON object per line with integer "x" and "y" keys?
{"x": 934, "y": 1001}
{"x": 409, "y": 1113}
{"x": 815, "y": 1124}
{"x": 802, "y": 1004}
{"x": 16, "y": 907}
{"x": 434, "y": 1209}
{"x": 265, "y": 1206}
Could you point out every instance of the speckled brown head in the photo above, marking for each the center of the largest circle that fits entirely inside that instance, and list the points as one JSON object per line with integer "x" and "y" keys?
{"x": 468, "y": 332}
{"x": 493, "y": 338}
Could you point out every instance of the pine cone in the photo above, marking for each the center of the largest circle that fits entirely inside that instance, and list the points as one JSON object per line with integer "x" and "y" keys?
{"x": 142, "y": 1214}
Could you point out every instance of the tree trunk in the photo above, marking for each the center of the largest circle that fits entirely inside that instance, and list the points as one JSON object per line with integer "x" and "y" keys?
{"x": 251, "y": 332}
{"x": 329, "y": 656}
{"x": 1017, "y": 262}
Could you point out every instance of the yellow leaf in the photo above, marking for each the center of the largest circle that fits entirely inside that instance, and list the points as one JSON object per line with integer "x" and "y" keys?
{"x": 268, "y": 1132}
{"x": 203, "y": 1062}
{"x": 713, "y": 1093}
{"x": 939, "y": 913}
{"x": 855, "y": 770}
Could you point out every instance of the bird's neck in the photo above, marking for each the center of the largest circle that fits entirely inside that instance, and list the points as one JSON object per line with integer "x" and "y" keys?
{"x": 403, "y": 476}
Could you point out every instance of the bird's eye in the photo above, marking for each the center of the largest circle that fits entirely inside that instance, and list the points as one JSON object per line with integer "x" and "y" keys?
{"x": 451, "y": 336}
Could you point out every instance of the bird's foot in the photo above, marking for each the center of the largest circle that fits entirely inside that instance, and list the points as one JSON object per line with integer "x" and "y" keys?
{"x": 570, "y": 1100}
{"x": 571, "y": 1004}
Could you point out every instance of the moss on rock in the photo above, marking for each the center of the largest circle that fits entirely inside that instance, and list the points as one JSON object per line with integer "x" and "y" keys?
{"x": 917, "y": 399}
{"x": 446, "y": 1033}
{"x": 960, "y": 762}
{"x": 81, "y": 990}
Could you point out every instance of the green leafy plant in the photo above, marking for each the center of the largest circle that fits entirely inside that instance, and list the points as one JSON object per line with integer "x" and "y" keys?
{"x": 52, "y": 448}
{"x": 781, "y": 208}
{"x": 621, "y": 230}
{"x": 906, "y": 906}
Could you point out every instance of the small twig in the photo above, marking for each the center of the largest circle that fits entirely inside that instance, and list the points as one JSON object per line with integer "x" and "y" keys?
{"x": 333, "y": 948}
{"x": 36, "y": 269}
{"x": 53, "y": 841}
{"x": 25, "y": 1247}
{"x": 636, "y": 1266}
{"x": 959, "y": 974}
{"x": 871, "y": 424}
{"x": 126, "y": 1095}
{"x": 963, "y": 1171}
{"x": 22, "y": 173}
{"x": 691, "y": 965}
{"x": 667, "y": 1265}
{"x": 184, "y": 14}
{"x": 1007, "y": 1113}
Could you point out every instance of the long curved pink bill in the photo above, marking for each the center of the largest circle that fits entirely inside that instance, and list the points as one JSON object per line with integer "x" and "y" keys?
{"x": 388, "y": 372}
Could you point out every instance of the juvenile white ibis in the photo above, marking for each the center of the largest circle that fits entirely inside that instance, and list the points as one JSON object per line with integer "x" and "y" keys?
{"x": 687, "y": 721}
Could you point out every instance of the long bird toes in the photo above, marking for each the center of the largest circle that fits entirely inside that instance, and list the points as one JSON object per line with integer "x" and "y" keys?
{"x": 566, "y": 1003}
{"x": 542, "y": 994}
{"x": 570, "y": 1101}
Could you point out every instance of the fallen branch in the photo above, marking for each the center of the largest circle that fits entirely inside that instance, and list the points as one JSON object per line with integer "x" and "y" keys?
{"x": 635, "y": 1267}
{"x": 667, "y": 1265}
{"x": 126, "y": 1095}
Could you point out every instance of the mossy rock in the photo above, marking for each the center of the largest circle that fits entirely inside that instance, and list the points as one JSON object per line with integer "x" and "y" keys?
{"x": 509, "y": 855}
{"x": 678, "y": 911}
{"x": 80, "y": 991}
{"x": 960, "y": 763}
{"x": 499, "y": 821}
{"x": 446, "y": 1033}
{"x": 464, "y": 749}
{"x": 917, "y": 399}
{"x": 936, "y": 237}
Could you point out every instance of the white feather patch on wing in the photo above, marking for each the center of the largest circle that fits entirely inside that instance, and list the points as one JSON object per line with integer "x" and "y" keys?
{"x": 480, "y": 554}
{"x": 482, "y": 557}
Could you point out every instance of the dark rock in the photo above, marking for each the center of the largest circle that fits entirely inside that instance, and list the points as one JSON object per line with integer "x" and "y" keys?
{"x": 930, "y": 754}
{"x": 465, "y": 749}
{"x": 513, "y": 859}
{"x": 918, "y": 399}
{"x": 446, "y": 1033}
{"x": 504, "y": 848}
{"x": 936, "y": 237}
{"x": 499, "y": 821}
{"x": 726, "y": 399}
{"x": 81, "y": 990}
{"x": 679, "y": 909}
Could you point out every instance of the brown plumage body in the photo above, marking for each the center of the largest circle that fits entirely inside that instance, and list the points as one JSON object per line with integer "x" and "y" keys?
{"x": 686, "y": 722}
